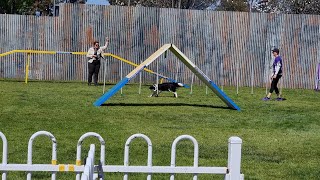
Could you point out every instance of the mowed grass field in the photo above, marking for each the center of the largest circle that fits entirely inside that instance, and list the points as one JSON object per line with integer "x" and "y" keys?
{"x": 281, "y": 140}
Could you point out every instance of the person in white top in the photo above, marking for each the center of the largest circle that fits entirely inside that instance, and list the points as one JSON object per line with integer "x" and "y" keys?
{"x": 94, "y": 55}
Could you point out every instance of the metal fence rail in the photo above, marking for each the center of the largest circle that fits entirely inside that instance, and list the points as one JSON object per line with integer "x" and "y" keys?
{"x": 90, "y": 171}
{"x": 232, "y": 47}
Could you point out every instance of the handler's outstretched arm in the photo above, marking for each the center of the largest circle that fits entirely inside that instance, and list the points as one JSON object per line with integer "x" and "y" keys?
{"x": 106, "y": 44}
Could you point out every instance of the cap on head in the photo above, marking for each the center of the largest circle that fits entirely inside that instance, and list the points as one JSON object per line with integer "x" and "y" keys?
{"x": 275, "y": 50}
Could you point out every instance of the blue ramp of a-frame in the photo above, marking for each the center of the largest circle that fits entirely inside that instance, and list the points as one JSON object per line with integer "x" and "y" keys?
{"x": 224, "y": 97}
{"x": 111, "y": 92}
{"x": 215, "y": 88}
{"x": 204, "y": 78}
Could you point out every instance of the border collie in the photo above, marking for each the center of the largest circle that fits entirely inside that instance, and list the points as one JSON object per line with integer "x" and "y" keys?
{"x": 171, "y": 87}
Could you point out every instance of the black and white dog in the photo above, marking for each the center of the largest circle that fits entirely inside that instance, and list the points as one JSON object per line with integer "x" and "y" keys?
{"x": 171, "y": 87}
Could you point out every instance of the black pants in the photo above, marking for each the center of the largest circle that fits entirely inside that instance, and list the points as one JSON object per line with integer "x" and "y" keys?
{"x": 94, "y": 68}
{"x": 274, "y": 84}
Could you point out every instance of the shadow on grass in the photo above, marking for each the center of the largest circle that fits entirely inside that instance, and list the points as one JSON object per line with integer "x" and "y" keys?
{"x": 165, "y": 104}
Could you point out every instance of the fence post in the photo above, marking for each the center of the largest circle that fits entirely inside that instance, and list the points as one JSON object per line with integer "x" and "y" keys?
{"x": 140, "y": 81}
{"x": 79, "y": 144}
{"x": 126, "y": 152}
{"x": 234, "y": 158}
{"x": 91, "y": 161}
{"x": 195, "y": 153}
{"x": 104, "y": 74}
{"x": 4, "y": 153}
{"x": 318, "y": 77}
{"x": 88, "y": 173}
{"x": 54, "y": 151}
{"x": 121, "y": 75}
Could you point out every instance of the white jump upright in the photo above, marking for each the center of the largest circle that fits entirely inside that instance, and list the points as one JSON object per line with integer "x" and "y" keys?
{"x": 126, "y": 153}
{"x": 90, "y": 171}
{"x": 4, "y": 153}
{"x": 79, "y": 145}
{"x": 234, "y": 159}
{"x": 195, "y": 153}
{"x": 54, "y": 150}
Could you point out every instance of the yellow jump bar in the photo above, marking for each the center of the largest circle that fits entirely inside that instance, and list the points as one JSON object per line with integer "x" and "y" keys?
{"x": 74, "y": 53}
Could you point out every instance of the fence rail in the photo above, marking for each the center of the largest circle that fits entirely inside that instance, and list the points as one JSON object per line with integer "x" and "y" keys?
{"x": 232, "y": 47}
{"x": 90, "y": 171}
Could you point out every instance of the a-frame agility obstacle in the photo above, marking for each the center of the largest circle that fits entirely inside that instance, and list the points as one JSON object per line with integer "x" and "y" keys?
{"x": 185, "y": 60}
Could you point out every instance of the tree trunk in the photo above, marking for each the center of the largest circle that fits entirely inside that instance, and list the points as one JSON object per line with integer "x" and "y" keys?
{"x": 13, "y": 4}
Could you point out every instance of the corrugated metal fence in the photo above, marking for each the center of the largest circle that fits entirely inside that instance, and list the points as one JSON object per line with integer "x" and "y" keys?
{"x": 228, "y": 46}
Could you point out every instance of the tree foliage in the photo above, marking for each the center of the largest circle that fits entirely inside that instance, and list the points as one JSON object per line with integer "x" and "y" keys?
{"x": 305, "y": 7}
{"x": 25, "y": 6}
{"x": 290, "y": 6}
{"x": 267, "y": 6}
{"x": 183, "y": 4}
{"x": 233, "y": 5}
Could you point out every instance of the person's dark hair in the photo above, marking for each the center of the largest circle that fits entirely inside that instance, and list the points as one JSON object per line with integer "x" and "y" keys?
{"x": 95, "y": 42}
{"x": 276, "y": 50}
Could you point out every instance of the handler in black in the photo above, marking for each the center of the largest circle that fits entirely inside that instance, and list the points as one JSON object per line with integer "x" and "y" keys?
{"x": 277, "y": 74}
{"x": 94, "y": 55}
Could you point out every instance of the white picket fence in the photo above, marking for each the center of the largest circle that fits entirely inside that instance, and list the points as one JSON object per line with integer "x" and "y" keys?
{"x": 90, "y": 171}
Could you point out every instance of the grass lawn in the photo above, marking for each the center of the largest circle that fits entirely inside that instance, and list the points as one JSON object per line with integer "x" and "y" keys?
{"x": 281, "y": 140}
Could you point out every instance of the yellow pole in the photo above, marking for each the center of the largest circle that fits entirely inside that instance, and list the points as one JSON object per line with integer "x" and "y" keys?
{"x": 27, "y": 67}
{"x": 161, "y": 80}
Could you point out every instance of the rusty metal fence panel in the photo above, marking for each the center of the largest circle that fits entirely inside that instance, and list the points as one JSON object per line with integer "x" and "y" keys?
{"x": 230, "y": 47}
